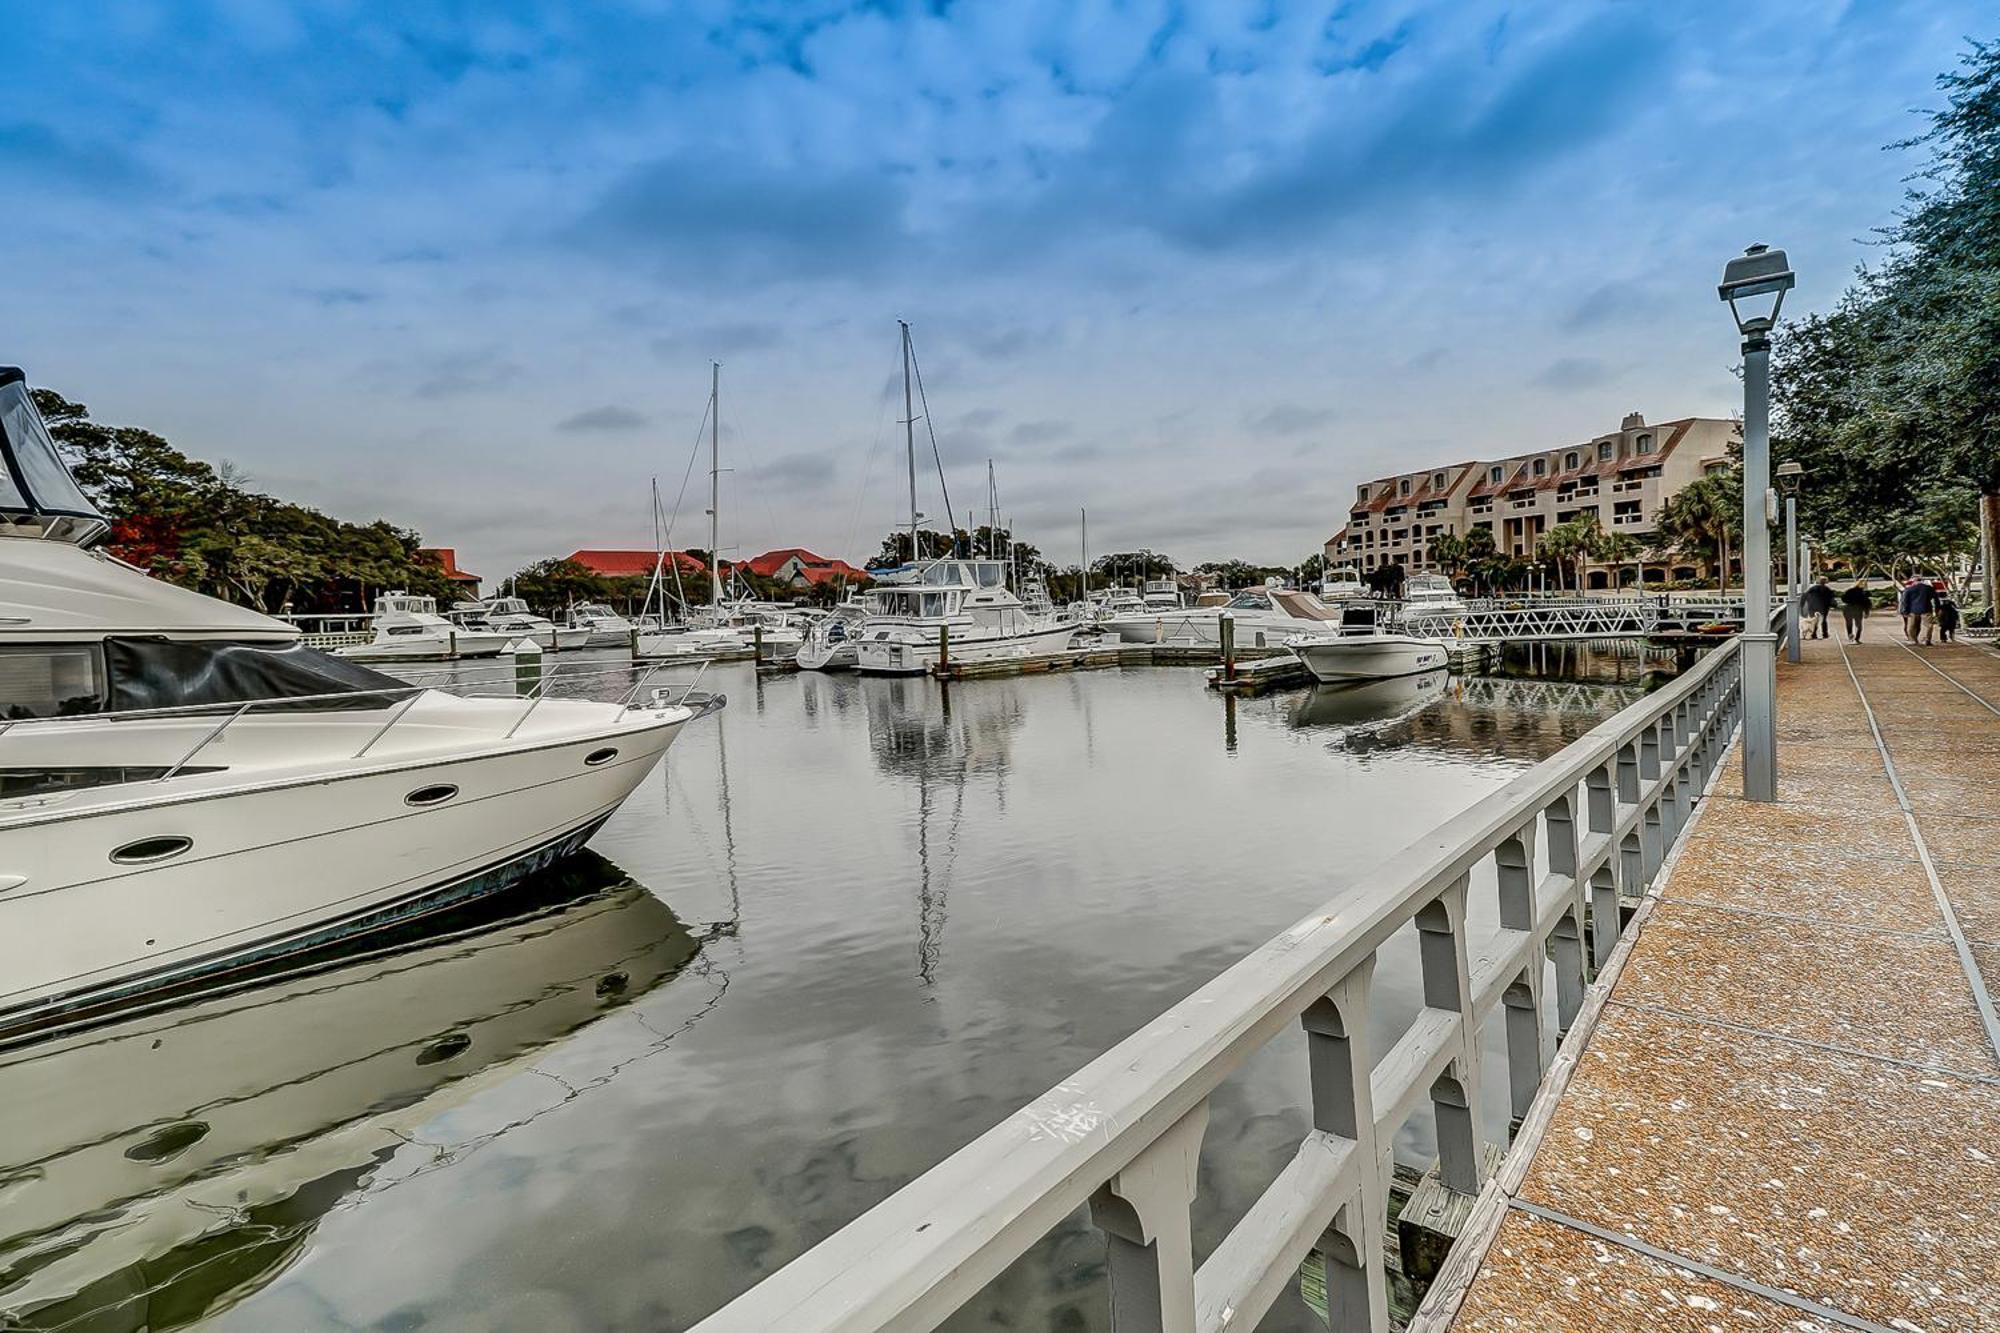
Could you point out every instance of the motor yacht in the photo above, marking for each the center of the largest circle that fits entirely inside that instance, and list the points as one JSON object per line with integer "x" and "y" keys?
{"x": 1342, "y": 585}
{"x": 1265, "y": 617}
{"x": 1431, "y": 598}
{"x": 607, "y": 629}
{"x": 511, "y": 616}
{"x": 965, "y": 603}
{"x": 408, "y": 628}
{"x": 1360, "y": 649}
{"x": 1160, "y": 595}
{"x": 186, "y": 788}
{"x": 831, "y": 644}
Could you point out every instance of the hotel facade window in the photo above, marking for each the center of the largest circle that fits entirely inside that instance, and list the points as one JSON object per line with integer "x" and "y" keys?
{"x": 1606, "y": 451}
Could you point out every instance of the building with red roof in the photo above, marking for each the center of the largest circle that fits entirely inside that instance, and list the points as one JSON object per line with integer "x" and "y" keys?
{"x": 1621, "y": 478}
{"x": 612, "y": 563}
{"x": 800, "y": 568}
{"x": 447, "y": 556}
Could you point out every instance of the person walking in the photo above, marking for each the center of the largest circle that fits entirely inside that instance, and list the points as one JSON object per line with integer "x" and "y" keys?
{"x": 1855, "y": 604}
{"x": 1947, "y": 618}
{"x": 1818, "y": 601}
{"x": 1918, "y": 605}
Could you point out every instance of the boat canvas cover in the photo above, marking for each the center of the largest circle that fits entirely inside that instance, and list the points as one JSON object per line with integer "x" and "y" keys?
{"x": 1303, "y": 605}
{"x": 163, "y": 673}
{"x": 33, "y": 479}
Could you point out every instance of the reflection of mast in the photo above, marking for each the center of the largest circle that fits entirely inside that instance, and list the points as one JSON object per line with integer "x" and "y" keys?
{"x": 728, "y": 832}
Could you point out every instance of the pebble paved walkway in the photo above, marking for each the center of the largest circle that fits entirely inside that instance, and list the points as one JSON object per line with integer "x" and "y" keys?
{"x": 1788, "y": 1114}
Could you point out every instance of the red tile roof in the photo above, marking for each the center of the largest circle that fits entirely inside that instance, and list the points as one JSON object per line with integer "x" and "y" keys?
{"x": 447, "y": 556}
{"x": 610, "y": 563}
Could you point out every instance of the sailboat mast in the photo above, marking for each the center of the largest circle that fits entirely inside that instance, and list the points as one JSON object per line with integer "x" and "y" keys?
{"x": 714, "y": 483}
{"x": 910, "y": 439}
{"x": 992, "y": 515}
{"x": 1083, "y": 517}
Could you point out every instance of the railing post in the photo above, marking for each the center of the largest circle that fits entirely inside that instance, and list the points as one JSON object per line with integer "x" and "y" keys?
{"x": 1650, "y": 843}
{"x": 1601, "y": 804}
{"x": 1448, "y": 985}
{"x": 1343, "y": 1104}
{"x": 1143, "y": 1211}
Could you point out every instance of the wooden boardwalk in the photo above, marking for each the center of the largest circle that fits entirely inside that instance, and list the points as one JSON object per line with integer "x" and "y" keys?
{"x": 1786, "y": 1115}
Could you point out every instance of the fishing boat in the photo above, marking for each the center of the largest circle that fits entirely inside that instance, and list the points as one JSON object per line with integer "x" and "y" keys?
{"x": 918, "y": 611}
{"x": 963, "y": 607}
{"x": 1342, "y": 584}
{"x": 408, "y": 628}
{"x": 1429, "y": 600}
{"x": 512, "y": 617}
{"x": 604, "y": 627}
{"x": 1360, "y": 649}
{"x": 187, "y": 789}
{"x": 831, "y": 643}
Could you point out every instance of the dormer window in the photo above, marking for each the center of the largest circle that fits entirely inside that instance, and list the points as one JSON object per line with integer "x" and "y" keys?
{"x": 1644, "y": 444}
{"x": 1606, "y": 451}
{"x": 1437, "y": 481}
{"x": 1403, "y": 487}
{"x": 1360, "y": 494}
{"x": 1570, "y": 461}
{"x": 1541, "y": 466}
{"x": 1494, "y": 476}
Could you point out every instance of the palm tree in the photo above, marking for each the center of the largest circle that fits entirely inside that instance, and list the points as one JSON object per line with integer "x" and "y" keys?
{"x": 1703, "y": 516}
{"x": 1614, "y": 549}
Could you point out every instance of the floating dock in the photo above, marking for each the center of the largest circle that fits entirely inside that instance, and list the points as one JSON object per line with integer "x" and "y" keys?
{"x": 1785, "y": 1112}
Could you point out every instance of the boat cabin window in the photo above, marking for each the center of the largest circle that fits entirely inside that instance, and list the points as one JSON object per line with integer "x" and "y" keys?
{"x": 56, "y": 680}
{"x": 990, "y": 575}
{"x": 25, "y": 440}
{"x": 944, "y": 573}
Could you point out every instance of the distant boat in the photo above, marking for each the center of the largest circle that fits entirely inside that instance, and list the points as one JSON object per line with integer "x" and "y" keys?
{"x": 963, "y": 603}
{"x": 511, "y": 616}
{"x": 1430, "y": 597}
{"x": 605, "y": 627}
{"x": 1342, "y": 585}
{"x": 1265, "y": 616}
{"x": 407, "y": 627}
{"x": 832, "y": 644}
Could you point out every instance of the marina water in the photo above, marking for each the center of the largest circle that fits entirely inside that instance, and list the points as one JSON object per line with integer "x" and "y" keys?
{"x": 849, "y": 925}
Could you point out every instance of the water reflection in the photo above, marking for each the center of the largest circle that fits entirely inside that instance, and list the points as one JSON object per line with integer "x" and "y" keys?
{"x": 156, "y": 1166}
{"x": 1368, "y": 701}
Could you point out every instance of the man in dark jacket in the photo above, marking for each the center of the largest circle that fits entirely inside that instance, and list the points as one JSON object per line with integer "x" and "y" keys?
{"x": 1947, "y": 618}
{"x": 1818, "y": 601}
{"x": 1919, "y": 607}
{"x": 1855, "y": 604}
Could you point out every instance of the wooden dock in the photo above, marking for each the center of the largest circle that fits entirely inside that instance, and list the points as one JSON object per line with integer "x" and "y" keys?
{"x": 1786, "y": 1112}
{"x": 1098, "y": 658}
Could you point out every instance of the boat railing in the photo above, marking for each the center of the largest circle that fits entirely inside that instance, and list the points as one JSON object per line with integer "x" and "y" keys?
{"x": 227, "y": 715}
{"x": 1561, "y": 843}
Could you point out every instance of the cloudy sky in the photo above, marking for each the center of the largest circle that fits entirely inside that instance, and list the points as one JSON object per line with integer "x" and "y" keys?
{"x": 1198, "y": 267}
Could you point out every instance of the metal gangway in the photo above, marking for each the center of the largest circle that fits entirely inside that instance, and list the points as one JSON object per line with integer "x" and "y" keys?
{"x": 1563, "y": 619}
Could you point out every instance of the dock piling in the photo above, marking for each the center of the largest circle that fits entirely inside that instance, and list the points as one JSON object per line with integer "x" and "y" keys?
{"x": 1226, "y": 623}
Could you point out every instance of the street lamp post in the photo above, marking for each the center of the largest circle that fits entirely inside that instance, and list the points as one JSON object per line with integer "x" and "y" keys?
{"x": 1758, "y": 273}
{"x": 1789, "y": 475}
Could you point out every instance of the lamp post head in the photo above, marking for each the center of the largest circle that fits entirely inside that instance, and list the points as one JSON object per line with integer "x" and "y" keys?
{"x": 1759, "y": 271}
{"x": 1789, "y": 475}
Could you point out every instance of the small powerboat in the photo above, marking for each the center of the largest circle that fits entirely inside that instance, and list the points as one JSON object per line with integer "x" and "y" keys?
{"x": 408, "y": 628}
{"x": 1360, "y": 649}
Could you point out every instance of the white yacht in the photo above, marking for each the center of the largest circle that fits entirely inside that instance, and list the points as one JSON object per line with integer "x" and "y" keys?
{"x": 511, "y": 616}
{"x": 186, "y": 788}
{"x": 1342, "y": 585}
{"x": 605, "y": 627}
{"x": 1431, "y": 598}
{"x": 1160, "y": 595}
{"x": 408, "y": 628}
{"x": 1359, "y": 649}
{"x": 914, "y": 607}
{"x": 1265, "y": 617}
{"x": 832, "y": 644}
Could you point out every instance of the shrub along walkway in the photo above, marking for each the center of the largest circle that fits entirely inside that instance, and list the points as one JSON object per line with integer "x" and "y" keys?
{"x": 1787, "y": 1114}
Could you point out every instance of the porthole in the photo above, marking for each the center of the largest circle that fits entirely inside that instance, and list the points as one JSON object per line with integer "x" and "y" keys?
{"x": 604, "y": 756}
{"x": 436, "y": 795}
{"x": 148, "y": 850}
{"x": 444, "y": 1048}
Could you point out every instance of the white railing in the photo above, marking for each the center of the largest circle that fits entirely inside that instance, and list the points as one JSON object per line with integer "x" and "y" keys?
{"x": 1124, "y": 1134}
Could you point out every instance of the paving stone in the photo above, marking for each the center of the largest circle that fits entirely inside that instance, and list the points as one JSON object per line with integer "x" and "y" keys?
{"x": 1855, "y": 1183}
{"x": 1544, "y": 1277}
{"x": 1897, "y": 996}
{"x": 1821, "y": 882}
{"x": 1960, "y": 841}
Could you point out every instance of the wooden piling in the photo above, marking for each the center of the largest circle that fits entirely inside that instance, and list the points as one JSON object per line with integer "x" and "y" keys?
{"x": 757, "y": 643}
{"x": 944, "y": 645}
{"x": 1227, "y": 624}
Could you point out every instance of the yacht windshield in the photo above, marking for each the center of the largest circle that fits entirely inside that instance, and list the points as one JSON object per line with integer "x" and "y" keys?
{"x": 32, "y": 476}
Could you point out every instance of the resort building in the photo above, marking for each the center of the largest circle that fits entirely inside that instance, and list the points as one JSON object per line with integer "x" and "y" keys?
{"x": 464, "y": 582}
{"x": 793, "y": 566}
{"x": 1622, "y": 477}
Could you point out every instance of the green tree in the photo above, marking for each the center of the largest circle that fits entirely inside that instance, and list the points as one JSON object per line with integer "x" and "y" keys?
{"x": 1704, "y": 517}
{"x": 1618, "y": 549}
{"x": 552, "y": 586}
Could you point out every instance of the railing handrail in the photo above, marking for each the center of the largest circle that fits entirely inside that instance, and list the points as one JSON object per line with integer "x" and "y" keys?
{"x": 914, "y": 1258}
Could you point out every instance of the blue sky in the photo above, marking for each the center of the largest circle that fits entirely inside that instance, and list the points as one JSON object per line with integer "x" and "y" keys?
{"x": 1197, "y": 267}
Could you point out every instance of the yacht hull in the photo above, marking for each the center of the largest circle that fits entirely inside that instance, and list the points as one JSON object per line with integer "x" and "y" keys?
{"x": 425, "y": 648}
{"x": 1203, "y": 627}
{"x": 909, "y": 657}
{"x": 276, "y": 869}
{"x": 1369, "y": 657}
{"x": 816, "y": 656}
